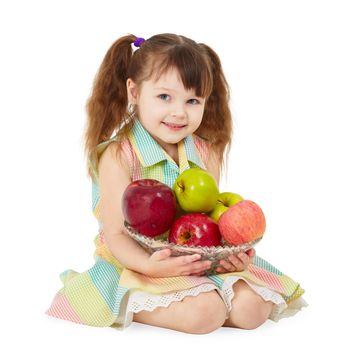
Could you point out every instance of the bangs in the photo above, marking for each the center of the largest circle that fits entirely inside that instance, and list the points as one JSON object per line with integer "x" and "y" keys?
{"x": 193, "y": 69}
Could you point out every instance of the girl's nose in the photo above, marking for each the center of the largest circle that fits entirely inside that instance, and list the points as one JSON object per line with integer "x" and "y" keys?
{"x": 180, "y": 113}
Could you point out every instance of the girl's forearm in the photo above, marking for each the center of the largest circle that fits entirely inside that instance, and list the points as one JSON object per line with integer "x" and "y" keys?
{"x": 128, "y": 252}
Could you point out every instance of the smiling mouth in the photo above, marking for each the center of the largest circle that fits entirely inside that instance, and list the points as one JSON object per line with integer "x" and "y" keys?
{"x": 174, "y": 126}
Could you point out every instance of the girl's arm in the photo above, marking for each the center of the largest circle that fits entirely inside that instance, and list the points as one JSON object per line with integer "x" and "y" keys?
{"x": 113, "y": 179}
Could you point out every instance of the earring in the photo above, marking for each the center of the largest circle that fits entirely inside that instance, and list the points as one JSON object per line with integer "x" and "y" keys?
{"x": 131, "y": 109}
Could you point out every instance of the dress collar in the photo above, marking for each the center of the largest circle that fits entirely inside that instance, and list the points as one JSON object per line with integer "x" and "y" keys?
{"x": 149, "y": 152}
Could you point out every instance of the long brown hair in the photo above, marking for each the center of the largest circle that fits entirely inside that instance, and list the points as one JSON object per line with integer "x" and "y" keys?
{"x": 199, "y": 68}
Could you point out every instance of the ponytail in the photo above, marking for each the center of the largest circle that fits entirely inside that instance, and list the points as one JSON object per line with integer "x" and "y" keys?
{"x": 107, "y": 105}
{"x": 217, "y": 122}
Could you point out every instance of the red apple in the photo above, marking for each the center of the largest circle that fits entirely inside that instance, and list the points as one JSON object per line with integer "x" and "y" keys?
{"x": 242, "y": 223}
{"x": 195, "y": 229}
{"x": 149, "y": 206}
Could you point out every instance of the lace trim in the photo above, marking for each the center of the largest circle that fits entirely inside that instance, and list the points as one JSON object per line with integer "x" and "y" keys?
{"x": 139, "y": 301}
{"x": 291, "y": 309}
{"x": 280, "y": 310}
{"x": 265, "y": 293}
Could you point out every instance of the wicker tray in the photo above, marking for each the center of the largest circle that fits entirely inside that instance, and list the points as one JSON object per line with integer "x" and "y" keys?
{"x": 214, "y": 254}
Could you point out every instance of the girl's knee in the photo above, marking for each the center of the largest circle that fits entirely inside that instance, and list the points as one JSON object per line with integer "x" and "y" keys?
{"x": 252, "y": 314}
{"x": 249, "y": 310}
{"x": 204, "y": 313}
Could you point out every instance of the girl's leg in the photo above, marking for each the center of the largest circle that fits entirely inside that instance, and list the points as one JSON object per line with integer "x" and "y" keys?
{"x": 249, "y": 310}
{"x": 199, "y": 314}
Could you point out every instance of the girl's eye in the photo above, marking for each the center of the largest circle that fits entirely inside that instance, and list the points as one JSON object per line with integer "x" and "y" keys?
{"x": 166, "y": 97}
{"x": 163, "y": 97}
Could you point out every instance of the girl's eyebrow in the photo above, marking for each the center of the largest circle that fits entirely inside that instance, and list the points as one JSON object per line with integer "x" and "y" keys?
{"x": 168, "y": 89}
{"x": 164, "y": 88}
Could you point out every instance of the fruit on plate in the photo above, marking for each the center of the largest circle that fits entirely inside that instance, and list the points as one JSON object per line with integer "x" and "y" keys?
{"x": 225, "y": 200}
{"x": 196, "y": 190}
{"x": 149, "y": 206}
{"x": 242, "y": 223}
{"x": 195, "y": 229}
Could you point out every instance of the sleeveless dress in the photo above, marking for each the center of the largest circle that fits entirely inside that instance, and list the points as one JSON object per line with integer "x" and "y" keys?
{"x": 108, "y": 294}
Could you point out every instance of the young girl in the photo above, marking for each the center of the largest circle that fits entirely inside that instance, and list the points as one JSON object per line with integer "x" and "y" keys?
{"x": 154, "y": 112}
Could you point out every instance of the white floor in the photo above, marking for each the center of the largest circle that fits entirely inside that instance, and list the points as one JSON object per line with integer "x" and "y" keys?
{"x": 308, "y": 329}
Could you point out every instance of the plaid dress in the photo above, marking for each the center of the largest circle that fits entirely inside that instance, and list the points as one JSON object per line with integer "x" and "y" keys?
{"x": 108, "y": 294}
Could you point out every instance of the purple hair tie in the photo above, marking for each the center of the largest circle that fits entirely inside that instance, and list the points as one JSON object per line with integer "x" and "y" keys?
{"x": 138, "y": 42}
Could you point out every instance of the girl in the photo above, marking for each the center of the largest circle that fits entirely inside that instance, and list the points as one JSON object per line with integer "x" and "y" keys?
{"x": 154, "y": 112}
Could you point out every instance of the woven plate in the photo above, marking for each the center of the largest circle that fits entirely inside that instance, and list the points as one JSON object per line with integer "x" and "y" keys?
{"x": 214, "y": 254}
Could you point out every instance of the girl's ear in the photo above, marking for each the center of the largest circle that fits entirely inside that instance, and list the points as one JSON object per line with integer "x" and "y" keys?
{"x": 132, "y": 91}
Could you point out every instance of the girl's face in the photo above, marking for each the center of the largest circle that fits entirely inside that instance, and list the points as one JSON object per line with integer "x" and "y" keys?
{"x": 165, "y": 109}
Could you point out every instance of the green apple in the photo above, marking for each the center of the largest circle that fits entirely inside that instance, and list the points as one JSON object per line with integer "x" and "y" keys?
{"x": 196, "y": 191}
{"x": 225, "y": 200}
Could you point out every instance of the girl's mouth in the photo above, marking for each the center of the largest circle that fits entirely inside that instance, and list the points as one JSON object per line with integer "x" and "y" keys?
{"x": 174, "y": 126}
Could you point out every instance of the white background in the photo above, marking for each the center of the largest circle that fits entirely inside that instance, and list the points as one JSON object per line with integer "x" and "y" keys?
{"x": 287, "y": 63}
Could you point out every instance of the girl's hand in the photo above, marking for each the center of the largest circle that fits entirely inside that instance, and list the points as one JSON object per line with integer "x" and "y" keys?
{"x": 161, "y": 264}
{"x": 236, "y": 263}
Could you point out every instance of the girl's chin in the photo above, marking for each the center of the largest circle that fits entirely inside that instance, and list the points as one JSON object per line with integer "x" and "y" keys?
{"x": 171, "y": 141}
{"x": 168, "y": 140}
